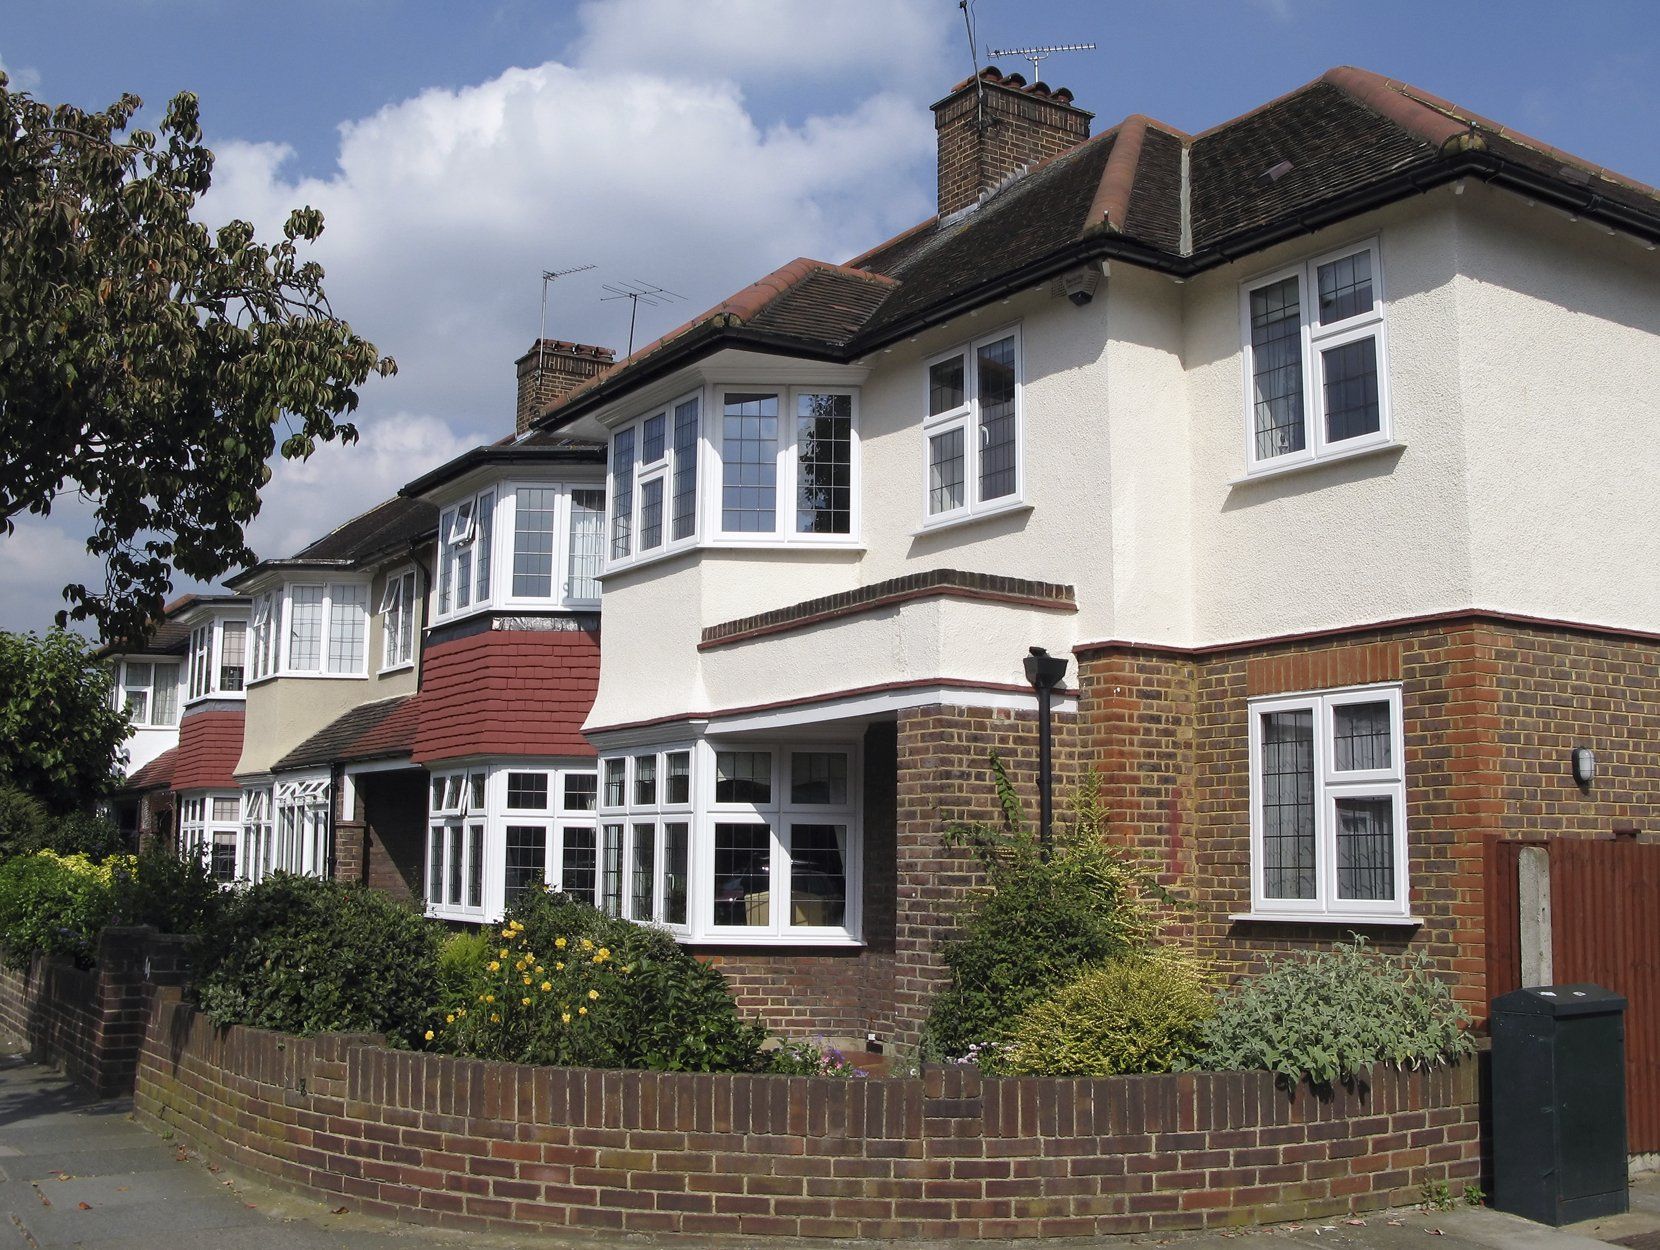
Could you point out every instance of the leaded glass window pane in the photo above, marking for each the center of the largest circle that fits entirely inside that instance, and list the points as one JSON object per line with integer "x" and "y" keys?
{"x": 233, "y": 654}
{"x": 676, "y": 844}
{"x": 677, "y": 785}
{"x": 616, "y": 790}
{"x": 305, "y": 628}
{"x": 945, "y": 471}
{"x": 527, "y": 792}
{"x": 1360, "y": 737}
{"x": 586, "y": 543}
{"x": 824, "y": 464}
{"x": 1288, "y": 804}
{"x": 645, "y": 780}
{"x": 818, "y": 875}
{"x": 644, "y": 875}
{"x": 348, "y": 627}
{"x": 580, "y": 792}
{"x": 945, "y": 386}
{"x": 749, "y": 463}
{"x": 651, "y": 514}
{"x": 743, "y": 777}
{"x": 1366, "y": 849}
{"x": 651, "y": 439}
{"x": 818, "y": 778}
{"x": 611, "y": 888}
{"x": 998, "y": 444}
{"x": 533, "y": 534}
{"x": 527, "y": 861}
{"x": 1277, "y": 369}
{"x": 685, "y": 469}
{"x": 1345, "y": 288}
{"x": 1351, "y": 382}
{"x": 475, "y": 866}
{"x": 622, "y": 495}
{"x": 743, "y": 864}
{"x": 486, "y": 532}
{"x": 579, "y": 871}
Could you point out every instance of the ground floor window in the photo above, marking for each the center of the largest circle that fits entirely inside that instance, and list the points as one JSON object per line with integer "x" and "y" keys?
{"x": 740, "y": 842}
{"x": 257, "y": 841}
{"x": 497, "y": 830}
{"x": 209, "y": 827}
{"x": 1328, "y": 804}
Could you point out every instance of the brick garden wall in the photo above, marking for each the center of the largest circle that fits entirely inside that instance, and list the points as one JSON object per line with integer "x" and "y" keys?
{"x": 1491, "y": 708}
{"x": 91, "y": 1022}
{"x": 470, "y": 1144}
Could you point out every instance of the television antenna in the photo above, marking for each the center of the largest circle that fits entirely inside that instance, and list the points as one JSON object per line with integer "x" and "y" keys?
{"x": 1040, "y": 53}
{"x": 637, "y": 293}
{"x": 549, "y": 277}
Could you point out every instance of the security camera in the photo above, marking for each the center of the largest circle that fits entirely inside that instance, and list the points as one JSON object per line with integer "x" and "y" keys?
{"x": 1079, "y": 284}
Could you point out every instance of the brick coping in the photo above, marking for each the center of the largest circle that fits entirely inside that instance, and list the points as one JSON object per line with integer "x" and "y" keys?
{"x": 465, "y": 1143}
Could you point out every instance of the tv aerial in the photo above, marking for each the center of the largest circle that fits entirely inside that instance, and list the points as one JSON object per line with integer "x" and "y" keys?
{"x": 1039, "y": 53}
{"x": 549, "y": 277}
{"x": 637, "y": 293}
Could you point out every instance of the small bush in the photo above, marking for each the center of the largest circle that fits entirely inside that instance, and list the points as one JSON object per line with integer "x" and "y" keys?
{"x": 159, "y": 888}
{"x": 1036, "y": 923}
{"x": 1324, "y": 1015}
{"x": 577, "y": 987}
{"x": 804, "y": 1058}
{"x": 461, "y": 967}
{"x": 52, "y": 904}
{"x": 307, "y": 956}
{"x": 1133, "y": 1014}
{"x": 28, "y": 825}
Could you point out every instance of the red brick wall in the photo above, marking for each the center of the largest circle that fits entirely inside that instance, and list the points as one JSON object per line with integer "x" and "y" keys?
{"x": 1024, "y": 129}
{"x": 1490, "y": 708}
{"x": 483, "y": 1145}
{"x": 383, "y": 842}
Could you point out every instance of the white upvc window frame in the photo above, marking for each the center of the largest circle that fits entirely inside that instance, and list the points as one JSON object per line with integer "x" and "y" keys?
{"x": 265, "y": 635}
{"x": 1316, "y": 339}
{"x": 664, "y": 471}
{"x": 325, "y": 627}
{"x": 126, "y": 686}
{"x": 397, "y": 611}
{"x": 461, "y": 534}
{"x": 966, "y": 418}
{"x": 256, "y": 846}
{"x": 200, "y": 827}
{"x": 622, "y": 825}
{"x": 203, "y": 670}
{"x": 468, "y": 815}
{"x": 1331, "y": 785}
{"x": 786, "y": 481}
{"x": 301, "y": 807}
{"x": 506, "y": 530}
{"x": 472, "y": 527}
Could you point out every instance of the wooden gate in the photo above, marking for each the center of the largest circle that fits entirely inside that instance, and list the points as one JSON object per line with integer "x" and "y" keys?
{"x": 1605, "y": 928}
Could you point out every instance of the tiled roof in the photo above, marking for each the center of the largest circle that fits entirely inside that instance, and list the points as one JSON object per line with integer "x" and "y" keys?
{"x": 507, "y": 692}
{"x": 384, "y": 729}
{"x": 156, "y": 775}
{"x": 395, "y": 523}
{"x": 210, "y": 743}
{"x": 1150, "y": 194}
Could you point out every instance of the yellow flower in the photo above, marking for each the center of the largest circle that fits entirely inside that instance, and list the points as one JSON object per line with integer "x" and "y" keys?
{"x": 587, "y": 944}
{"x": 493, "y": 966}
{"x": 559, "y": 967}
{"x": 581, "y": 1011}
{"x": 516, "y": 924}
{"x": 494, "y": 1018}
{"x": 506, "y": 933}
{"x": 429, "y": 1035}
{"x": 592, "y": 995}
{"x": 546, "y": 986}
{"x": 628, "y": 967}
{"x": 489, "y": 998}
{"x": 604, "y": 953}
{"x": 559, "y": 942}
{"x": 564, "y": 1017}
{"x": 524, "y": 1002}
{"x": 450, "y": 1019}
{"x": 538, "y": 969}
{"x": 520, "y": 966}
{"x": 502, "y": 953}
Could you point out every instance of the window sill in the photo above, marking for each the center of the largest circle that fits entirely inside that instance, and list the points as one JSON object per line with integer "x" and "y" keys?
{"x": 215, "y": 696}
{"x": 405, "y": 667}
{"x": 1351, "y": 919}
{"x": 1272, "y": 470}
{"x": 770, "y": 940}
{"x": 800, "y": 547}
{"x": 984, "y": 514}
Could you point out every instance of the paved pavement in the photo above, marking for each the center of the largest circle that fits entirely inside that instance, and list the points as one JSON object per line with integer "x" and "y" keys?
{"x": 79, "y": 1172}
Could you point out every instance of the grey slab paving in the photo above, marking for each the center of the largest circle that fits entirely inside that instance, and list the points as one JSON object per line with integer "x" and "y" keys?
{"x": 60, "y": 1150}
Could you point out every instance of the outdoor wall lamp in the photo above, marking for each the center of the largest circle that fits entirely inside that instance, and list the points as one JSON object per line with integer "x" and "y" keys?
{"x": 1585, "y": 765}
{"x": 1045, "y": 672}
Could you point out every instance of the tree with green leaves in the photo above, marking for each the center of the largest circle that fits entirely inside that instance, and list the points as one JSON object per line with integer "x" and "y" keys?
{"x": 60, "y": 732}
{"x": 148, "y": 363}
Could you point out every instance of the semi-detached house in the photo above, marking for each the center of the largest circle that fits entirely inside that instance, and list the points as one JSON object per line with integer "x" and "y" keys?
{"x": 1316, "y": 442}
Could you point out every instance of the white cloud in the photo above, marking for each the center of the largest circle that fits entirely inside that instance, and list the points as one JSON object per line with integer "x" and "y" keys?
{"x": 37, "y": 560}
{"x": 23, "y": 77}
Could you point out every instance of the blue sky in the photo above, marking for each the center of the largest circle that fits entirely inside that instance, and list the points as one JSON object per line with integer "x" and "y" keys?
{"x": 458, "y": 149}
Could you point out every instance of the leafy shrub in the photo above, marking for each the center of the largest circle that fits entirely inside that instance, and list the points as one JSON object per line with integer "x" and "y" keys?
{"x": 308, "y": 956}
{"x": 804, "y": 1058}
{"x": 1324, "y": 1015}
{"x": 52, "y": 904}
{"x": 461, "y": 967}
{"x": 28, "y": 825}
{"x": 1139, "y": 1013}
{"x": 1037, "y": 922}
{"x": 157, "y": 887}
{"x": 577, "y": 987}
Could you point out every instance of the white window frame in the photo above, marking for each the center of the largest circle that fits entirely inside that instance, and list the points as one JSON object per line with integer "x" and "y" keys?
{"x": 1315, "y": 339}
{"x": 665, "y": 470}
{"x": 300, "y": 811}
{"x": 325, "y": 627}
{"x": 1330, "y": 785}
{"x": 787, "y": 466}
{"x": 397, "y": 612}
{"x": 702, "y": 813}
{"x": 454, "y": 537}
{"x": 265, "y": 635}
{"x": 203, "y": 670}
{"x": 966, "y": 417}
{"x": 460, "y": 532}
{"x": 124, "y": 684}
{"x": 256, "y": 847}
{"x": 454, "y": 810}
{"x": 198, "y": 827}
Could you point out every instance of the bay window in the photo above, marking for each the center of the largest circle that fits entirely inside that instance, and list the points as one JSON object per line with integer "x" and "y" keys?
{"x": 149, "y": 693}
{"x": 497, "y": 831}
{"x": 398, "y": 609}
{"x": 1328, "y": 805}
{"x": 972, "y": 430}
{"x": 216, "y": 659}
{"x": 547, "y": 537}
{"x": 1317, "y": 385}
{"x": 256, "y": 852}
{"x": 739, "y": 843}
{"x": 209, "y": 828}
{"x": 300, "y": 838}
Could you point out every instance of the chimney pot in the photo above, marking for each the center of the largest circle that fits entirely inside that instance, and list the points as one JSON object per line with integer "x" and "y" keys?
{"x": 553, "y": 368}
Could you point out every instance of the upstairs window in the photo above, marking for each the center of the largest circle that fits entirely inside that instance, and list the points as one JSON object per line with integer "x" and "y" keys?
{"x": 972, "y": 430}
{"x": 465, "y": 533}
{"x": 150, "y": 693}
{"x": 266, "y": 636}
{"x": 328, "y": 628}
{"x": 215, "y": 663}
{"x": 1315, "y": 362}
{"x": 546, "y": 537}
{"x": 397, "y": 620}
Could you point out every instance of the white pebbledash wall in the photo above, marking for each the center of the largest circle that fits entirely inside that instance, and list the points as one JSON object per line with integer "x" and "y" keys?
{"x": 1524, "y": 366}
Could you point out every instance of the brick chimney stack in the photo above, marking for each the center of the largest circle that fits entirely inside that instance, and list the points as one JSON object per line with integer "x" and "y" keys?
{"x": 1022, "y": 125}
{"x": 552, "y": 368}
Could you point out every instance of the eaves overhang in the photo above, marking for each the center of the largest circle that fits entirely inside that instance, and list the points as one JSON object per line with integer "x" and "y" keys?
{"x": 494, "y": 455}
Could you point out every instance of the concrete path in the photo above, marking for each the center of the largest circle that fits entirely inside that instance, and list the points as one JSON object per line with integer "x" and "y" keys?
{"x": 78, "y": 1172}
